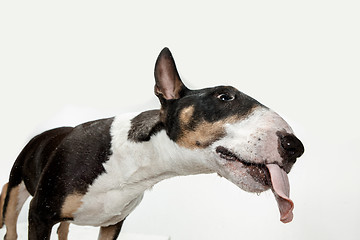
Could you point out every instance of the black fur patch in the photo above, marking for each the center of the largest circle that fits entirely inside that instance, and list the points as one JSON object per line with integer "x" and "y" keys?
{"x": 144, "y": 125}
{"x": 62, "y": 161}
{"x": 35, "y": 156}
{"x": 33, "y": 159}
{"x": 208, "y": 106}
{"x": 81, "y": 155}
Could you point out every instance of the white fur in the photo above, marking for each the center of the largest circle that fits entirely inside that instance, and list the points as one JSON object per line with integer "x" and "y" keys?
{"x": 254, "y": 139}
{"x": 132, "y": 169}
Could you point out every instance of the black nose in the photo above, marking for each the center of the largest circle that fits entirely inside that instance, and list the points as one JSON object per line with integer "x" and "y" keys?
{"x": 291, "y": 145}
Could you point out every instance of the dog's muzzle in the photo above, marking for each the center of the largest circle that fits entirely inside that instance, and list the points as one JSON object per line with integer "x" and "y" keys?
{"x": 257, "y": 155}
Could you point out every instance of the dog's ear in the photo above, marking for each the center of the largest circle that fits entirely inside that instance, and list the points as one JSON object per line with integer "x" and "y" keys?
{"x": 168, "y": 84}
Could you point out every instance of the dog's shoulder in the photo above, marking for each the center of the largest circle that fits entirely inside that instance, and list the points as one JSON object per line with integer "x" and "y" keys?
{"x": 78, "y": 159}
{"x": 144, "y": 125}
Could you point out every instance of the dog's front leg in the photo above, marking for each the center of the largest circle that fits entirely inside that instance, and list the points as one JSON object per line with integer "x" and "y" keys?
{"x": 110, "y": 232}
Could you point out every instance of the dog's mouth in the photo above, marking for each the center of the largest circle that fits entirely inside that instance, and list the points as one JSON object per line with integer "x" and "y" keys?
{"x": 270, "y": 176}
{"x": 259, "y": 172}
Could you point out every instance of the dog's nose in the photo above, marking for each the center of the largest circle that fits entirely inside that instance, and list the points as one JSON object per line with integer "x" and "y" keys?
{"x": 292, "y": 146}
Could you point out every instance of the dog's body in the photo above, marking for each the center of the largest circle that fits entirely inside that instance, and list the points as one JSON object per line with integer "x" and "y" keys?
{"x": 96, "y": 173}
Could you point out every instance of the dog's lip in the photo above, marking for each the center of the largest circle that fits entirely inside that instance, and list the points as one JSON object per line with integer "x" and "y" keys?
{"x": 230, "y": 156}
{"x": 258, "y": 171}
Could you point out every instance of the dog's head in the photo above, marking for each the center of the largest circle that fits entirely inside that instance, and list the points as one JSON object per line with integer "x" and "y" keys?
{"x": 248, "y": 143}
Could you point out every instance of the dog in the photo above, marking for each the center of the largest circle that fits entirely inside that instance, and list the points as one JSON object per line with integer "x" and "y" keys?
{"x": 96, "y": 173}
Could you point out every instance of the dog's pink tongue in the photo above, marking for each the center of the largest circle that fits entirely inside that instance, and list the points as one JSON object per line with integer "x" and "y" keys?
{"x": 281, "y": 190}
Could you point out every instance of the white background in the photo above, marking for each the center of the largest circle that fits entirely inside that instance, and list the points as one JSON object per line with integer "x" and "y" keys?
{"x": 65, "y": 62}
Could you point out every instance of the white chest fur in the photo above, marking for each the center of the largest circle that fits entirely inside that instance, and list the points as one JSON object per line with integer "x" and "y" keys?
{"x": 132, "y": 169}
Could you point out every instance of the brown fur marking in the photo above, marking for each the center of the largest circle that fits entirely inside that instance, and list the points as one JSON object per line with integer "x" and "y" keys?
{"x": 204, "y": 134}
{"x": 63, "y": 230}
{"x": 71, "y": 204}
{"x": 107, "y": 233}
{"x": 12, "y": 214}
{"x": 186, "y": 115}
{"x": 2, "y": 201}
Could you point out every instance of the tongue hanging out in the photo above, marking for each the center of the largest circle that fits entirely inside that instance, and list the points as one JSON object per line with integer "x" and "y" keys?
{"x": 281, "y": 190}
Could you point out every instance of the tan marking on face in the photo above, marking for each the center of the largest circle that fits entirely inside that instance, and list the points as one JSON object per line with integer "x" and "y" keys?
{"x": 63, "y": 230}
{"x": 204, "y": 134}
{"x": 186, "y": 114}
{"x": 71, "y": 204}
{"x": 162, "y": 115}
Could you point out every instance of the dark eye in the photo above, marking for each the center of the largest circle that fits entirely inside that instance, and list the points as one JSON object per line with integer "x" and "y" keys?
{"x": 226, "y": 97}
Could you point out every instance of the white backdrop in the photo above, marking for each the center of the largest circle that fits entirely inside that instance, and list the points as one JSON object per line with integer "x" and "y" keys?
{"x": 62, "y": 63}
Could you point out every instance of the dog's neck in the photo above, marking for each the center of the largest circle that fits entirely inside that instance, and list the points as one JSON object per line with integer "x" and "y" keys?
{"x": 149, "y": 162}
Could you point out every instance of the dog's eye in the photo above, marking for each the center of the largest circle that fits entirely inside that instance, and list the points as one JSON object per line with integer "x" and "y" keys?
{"x": 226, "y": 97}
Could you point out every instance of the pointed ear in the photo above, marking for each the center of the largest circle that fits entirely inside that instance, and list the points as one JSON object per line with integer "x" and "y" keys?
{"x": 168, "y": 84}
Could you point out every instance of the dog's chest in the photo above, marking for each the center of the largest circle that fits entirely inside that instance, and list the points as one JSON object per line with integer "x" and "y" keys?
{"x": 110, "y": 198}
{"x": 109, "y": 208}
